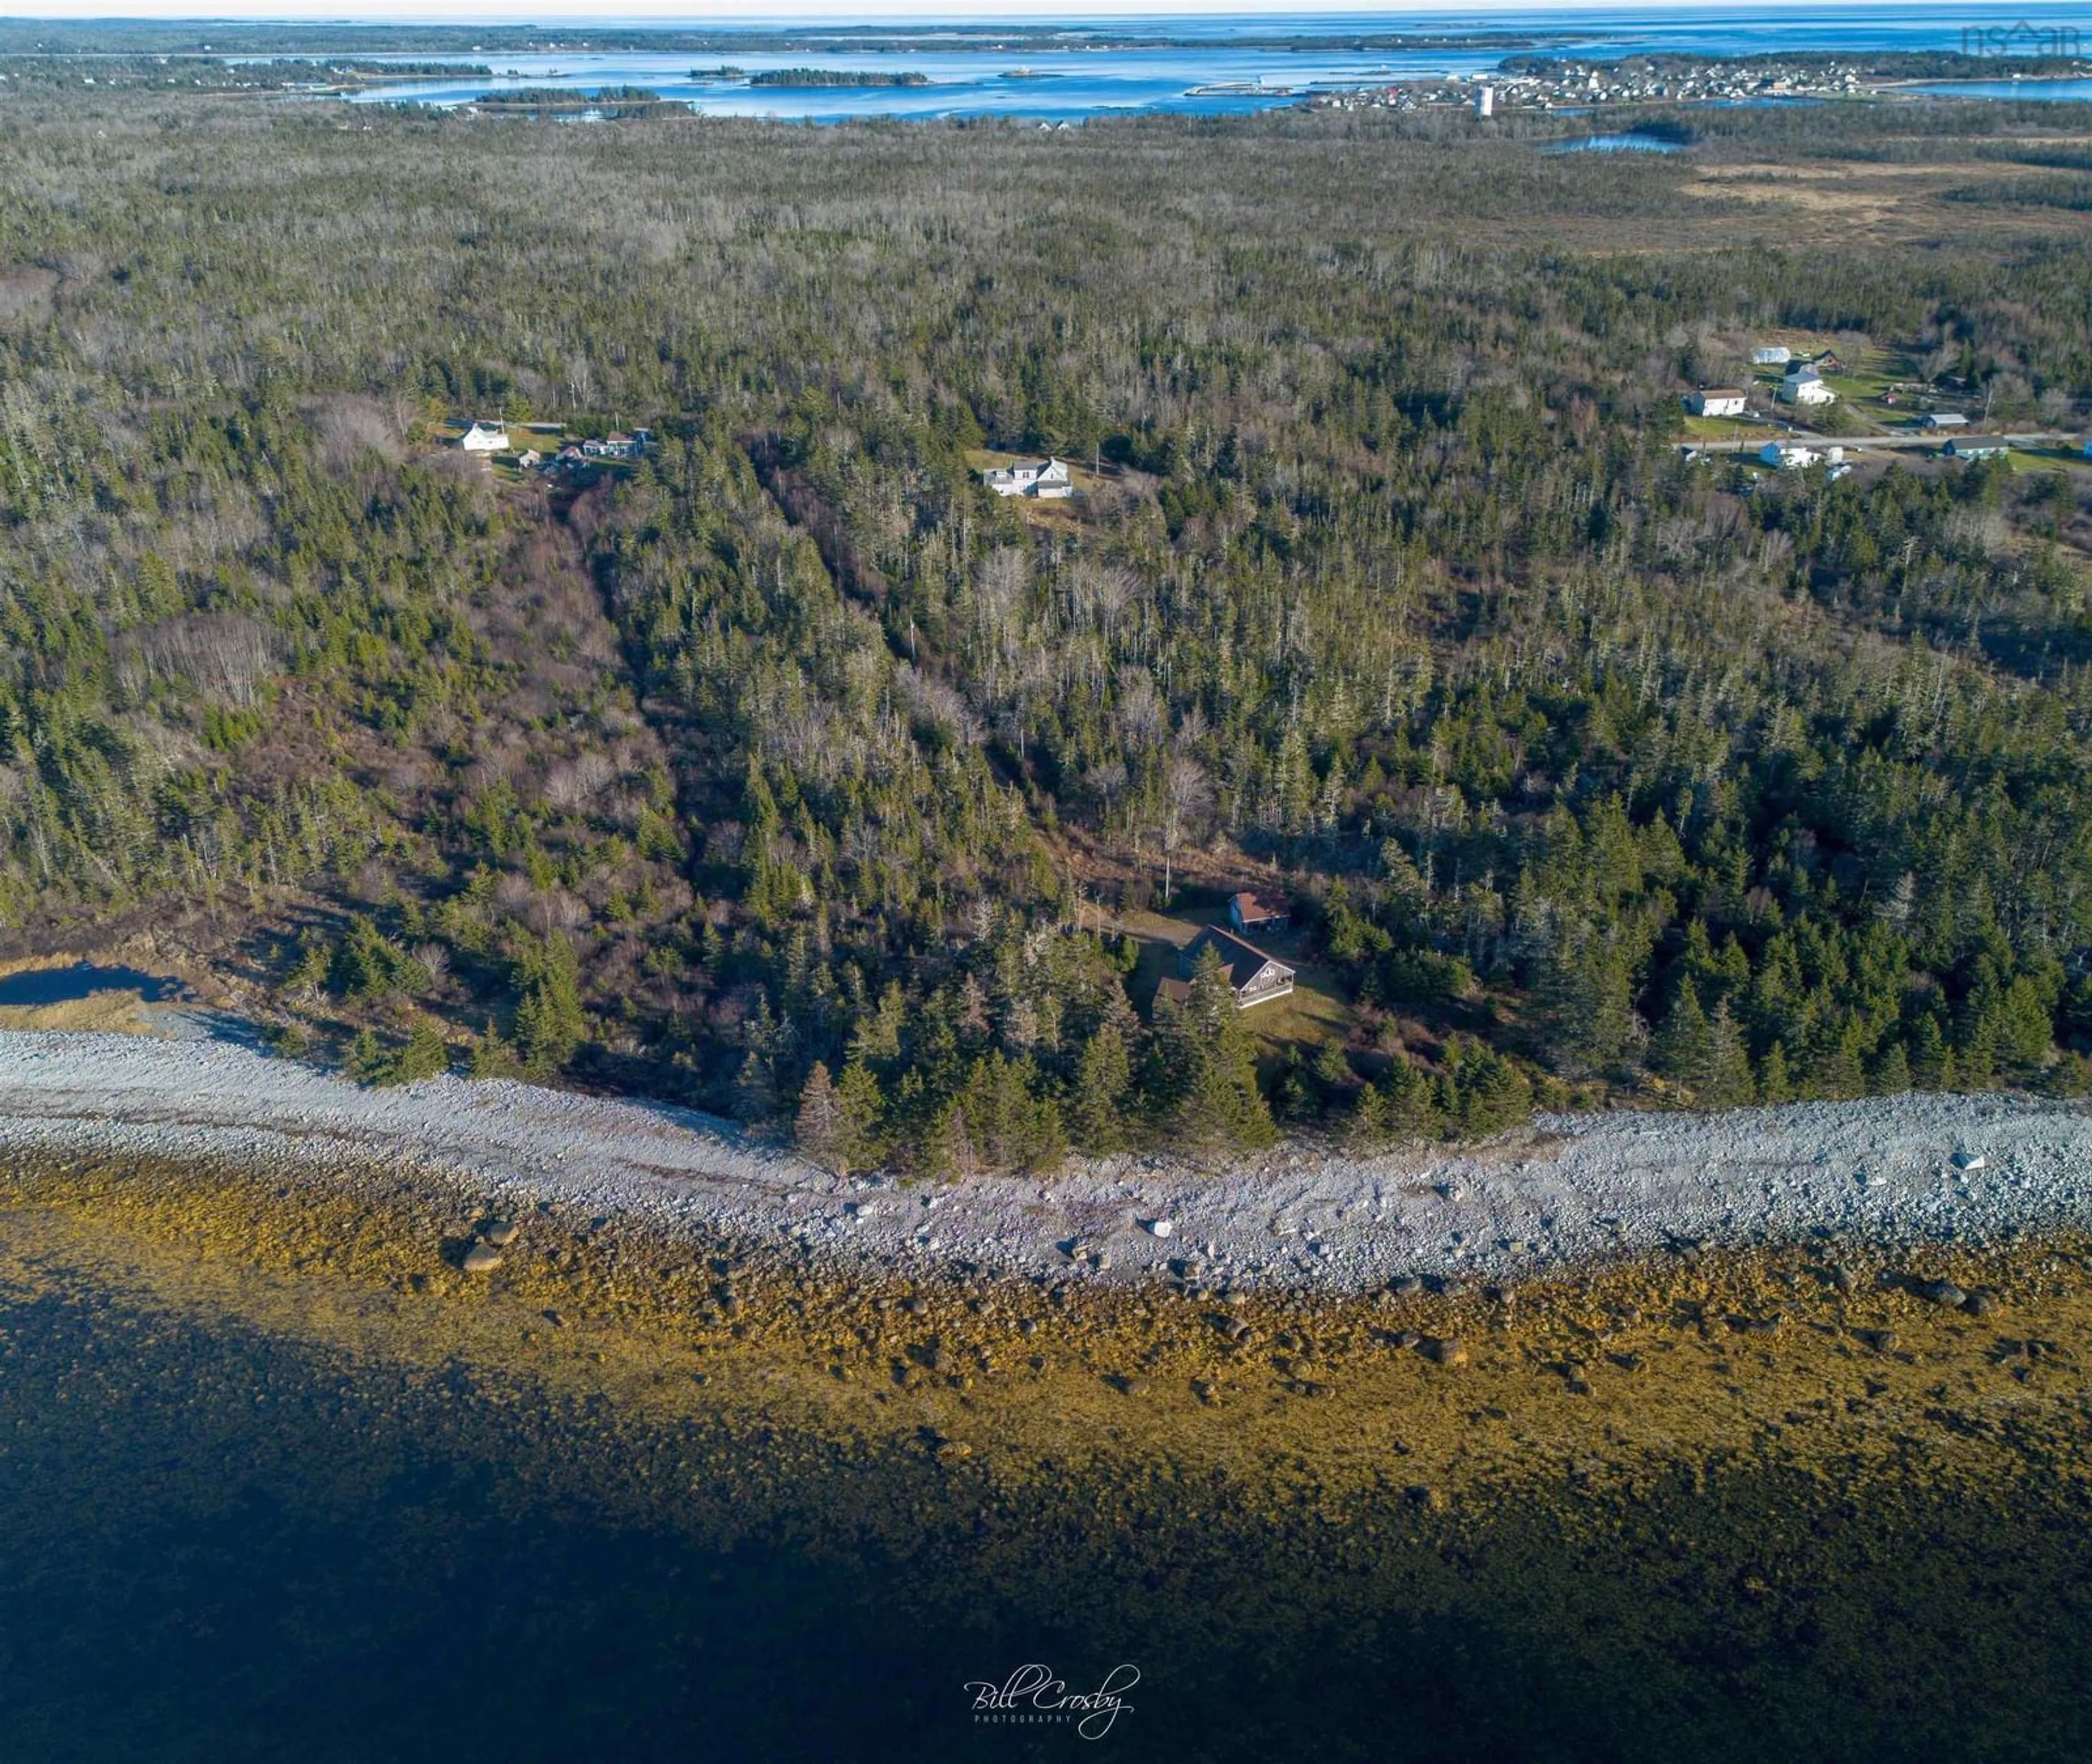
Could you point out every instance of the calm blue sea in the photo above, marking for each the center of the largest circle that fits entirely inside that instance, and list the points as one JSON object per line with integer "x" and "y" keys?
{"x": 974, "y": 75}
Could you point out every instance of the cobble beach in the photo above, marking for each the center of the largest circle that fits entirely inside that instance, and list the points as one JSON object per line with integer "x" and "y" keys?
{"x": 1522, "y": 1493}
{"x": 1567, "y": 1192}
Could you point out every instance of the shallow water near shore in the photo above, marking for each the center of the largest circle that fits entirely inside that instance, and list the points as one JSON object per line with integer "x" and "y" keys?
{"x": 274, "y": 1474}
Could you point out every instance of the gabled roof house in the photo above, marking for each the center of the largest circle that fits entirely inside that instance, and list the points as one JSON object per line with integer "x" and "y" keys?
{"x": 1255, "y": 976}
{"x": 1048, "y": 477}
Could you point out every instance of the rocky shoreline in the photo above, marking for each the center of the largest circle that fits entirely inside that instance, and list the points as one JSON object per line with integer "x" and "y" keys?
{"x": 1567, "y": 1192}
{"x": 1628, "y": 1468}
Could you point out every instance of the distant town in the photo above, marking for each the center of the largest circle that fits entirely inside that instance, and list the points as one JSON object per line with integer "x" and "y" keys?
{"x": 1527, "y": 83}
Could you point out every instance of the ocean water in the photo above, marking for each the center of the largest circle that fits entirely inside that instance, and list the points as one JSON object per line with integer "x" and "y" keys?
{"x": 246, "y": 1514}
{"x": 83, "y": 979}
{"x": 971, "y": 76}
{"x": 2065, "y": 91}
{"x": 1617, "y": 144}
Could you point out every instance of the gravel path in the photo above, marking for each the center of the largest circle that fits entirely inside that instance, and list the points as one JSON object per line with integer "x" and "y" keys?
{"x": 1570, "y": 1188}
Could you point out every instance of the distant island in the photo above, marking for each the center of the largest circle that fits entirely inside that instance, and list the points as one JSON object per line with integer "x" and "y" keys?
{"x": 614, "y": 103}
{"x": 834, "y": 76}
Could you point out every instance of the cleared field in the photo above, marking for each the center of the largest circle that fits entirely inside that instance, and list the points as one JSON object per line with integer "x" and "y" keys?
{"x": 1728, "y": 429}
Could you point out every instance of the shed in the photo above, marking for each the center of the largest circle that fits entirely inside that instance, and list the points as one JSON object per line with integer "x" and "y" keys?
{"x": 1253, "y": 912}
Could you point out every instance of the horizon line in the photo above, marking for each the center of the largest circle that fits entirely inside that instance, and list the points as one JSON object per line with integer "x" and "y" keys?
{"x": 407, "y": 14}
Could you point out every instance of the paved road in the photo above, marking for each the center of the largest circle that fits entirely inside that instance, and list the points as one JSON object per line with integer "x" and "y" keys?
{"x": 1865, "y": 443}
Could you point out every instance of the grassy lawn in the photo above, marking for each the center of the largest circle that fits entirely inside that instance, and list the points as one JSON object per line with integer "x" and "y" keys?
{"x": 1727, "y": 429}
{"x": 1865, "y": 390}
{"x": 546, "y": 437}
{"x": 1312, "y": 1013}
{"x": 2042, "y": 459}
{"x": 1883, "y": 374}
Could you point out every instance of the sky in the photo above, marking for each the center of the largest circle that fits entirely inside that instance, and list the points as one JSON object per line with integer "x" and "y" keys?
{"x": 865, "y": 11}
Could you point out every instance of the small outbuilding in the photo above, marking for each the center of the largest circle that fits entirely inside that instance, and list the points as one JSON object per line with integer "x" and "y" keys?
{"x": 1253, "y": 912}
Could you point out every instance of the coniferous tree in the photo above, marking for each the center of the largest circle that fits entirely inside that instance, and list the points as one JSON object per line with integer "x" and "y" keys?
{"x": 1727, "y": 1081}
{"x": 1335, "y": 1080}
{"x": 367, "y": 1061}
{"x": 1098, "y": 1097}
{"x": 1412, "y": 1108}
{"x": 1367, "y": 1125}
{"x": 1931, "y": 1061}
{"x": 426, "y": 1054}
{"x": 1589, "y": 1001}
{"x": 1681, "y": 1049}
{"x": 2025, "y": 1028}
{"x": 947, "y": 1149}
{"x": 493, "y": 1056}
{"x": 861, "y": 1111}
{"x": 818, "y": 1130}
{"x": 1297, "y": 1100}
{"x": 755, "y": 1088}
{"x": 1218, "y": 1106}
{"x": 550, "y": 1022}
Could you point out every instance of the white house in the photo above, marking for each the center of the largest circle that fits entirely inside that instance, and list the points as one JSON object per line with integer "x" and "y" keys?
{"x": 1772, "y": 355}
{"x": 1974, "y": 447}
{"x": 1804, "y": 386}
{"x": 1047, "y": 477}
{"x": 1943, "y": 419}
{"x": 1715, "y": 401}
{"x": 484, "y": 438}
{"x": 1788, "y": 455}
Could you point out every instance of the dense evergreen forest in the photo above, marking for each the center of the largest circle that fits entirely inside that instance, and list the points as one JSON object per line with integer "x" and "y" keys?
{"x": 789, "y": 772}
